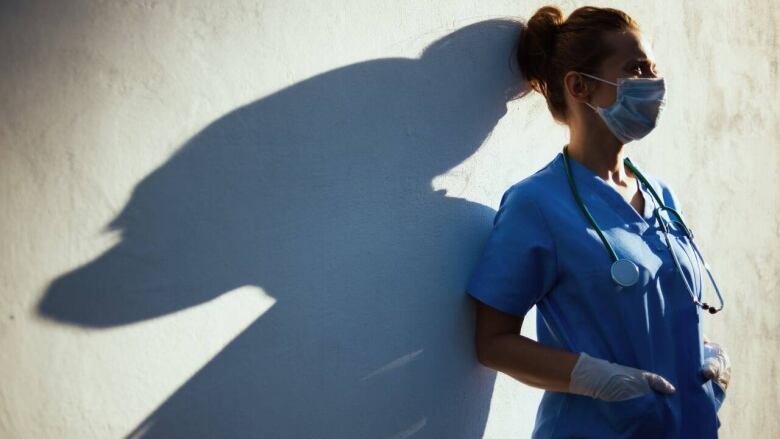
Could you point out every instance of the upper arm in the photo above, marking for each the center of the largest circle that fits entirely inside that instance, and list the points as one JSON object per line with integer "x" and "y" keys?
{"x": 491, "y": 322}
{"x": 517, "y": 268}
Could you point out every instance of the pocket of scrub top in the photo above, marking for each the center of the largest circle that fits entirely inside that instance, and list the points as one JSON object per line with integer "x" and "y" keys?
{"x": 716, "y": 394}
{"x": 639, "y": 414}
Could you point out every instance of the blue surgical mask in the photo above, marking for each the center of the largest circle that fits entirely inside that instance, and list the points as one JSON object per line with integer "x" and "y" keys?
{"x": 637, "y": 108}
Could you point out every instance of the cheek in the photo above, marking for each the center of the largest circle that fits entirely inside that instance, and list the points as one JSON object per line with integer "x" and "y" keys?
{"x": 606, "y": 96}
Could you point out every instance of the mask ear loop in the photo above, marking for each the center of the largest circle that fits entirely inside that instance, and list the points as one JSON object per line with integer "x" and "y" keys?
{"x": 599, "y": 79}
{"x": 596, "y": 109}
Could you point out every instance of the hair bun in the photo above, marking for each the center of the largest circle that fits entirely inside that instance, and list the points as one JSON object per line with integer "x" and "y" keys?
{"x": 544, "y": 25}
{"x": 537, "y": 45}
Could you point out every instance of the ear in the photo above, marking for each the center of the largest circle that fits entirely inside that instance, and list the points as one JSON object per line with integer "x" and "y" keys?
{"x": 577, "y": 86}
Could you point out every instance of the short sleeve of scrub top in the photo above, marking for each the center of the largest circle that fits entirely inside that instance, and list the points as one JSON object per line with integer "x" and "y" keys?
{"x": 542, "y": 251}
{"x": 517, "y": 265}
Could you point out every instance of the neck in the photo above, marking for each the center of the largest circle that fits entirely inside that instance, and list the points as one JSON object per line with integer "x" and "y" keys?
{"x": 603, "y": 157}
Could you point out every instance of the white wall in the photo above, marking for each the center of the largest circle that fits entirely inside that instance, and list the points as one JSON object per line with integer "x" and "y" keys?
{"x": 255, "y": 219}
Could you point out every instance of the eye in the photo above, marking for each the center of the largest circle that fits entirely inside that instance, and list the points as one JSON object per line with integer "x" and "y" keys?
{"x": 643, "y": 69}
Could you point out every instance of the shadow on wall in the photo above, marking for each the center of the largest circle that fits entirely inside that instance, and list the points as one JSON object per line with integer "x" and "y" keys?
{"x": 321, "y": 195}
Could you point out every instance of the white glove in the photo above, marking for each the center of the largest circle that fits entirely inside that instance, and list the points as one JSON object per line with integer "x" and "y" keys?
{"x": 717, "y": 365}
{"x": 608, "y": 381}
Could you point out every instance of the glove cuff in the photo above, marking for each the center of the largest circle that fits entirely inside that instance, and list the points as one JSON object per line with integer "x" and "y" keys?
{"x": 589, "y": 375}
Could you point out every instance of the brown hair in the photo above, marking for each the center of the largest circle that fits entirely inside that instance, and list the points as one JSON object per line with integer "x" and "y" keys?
{"x": 550, "y": 46}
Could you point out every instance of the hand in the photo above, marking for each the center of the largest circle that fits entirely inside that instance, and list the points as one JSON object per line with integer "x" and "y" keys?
{"x": 716, "y": 365}
{"x": 608, "y": 381}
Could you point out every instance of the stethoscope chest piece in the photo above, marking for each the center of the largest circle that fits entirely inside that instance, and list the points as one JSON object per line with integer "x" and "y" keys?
{"x": 624, "y": 272}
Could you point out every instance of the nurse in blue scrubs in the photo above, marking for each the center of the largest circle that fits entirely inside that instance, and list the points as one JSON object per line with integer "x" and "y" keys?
{"x": 620, "y": 350}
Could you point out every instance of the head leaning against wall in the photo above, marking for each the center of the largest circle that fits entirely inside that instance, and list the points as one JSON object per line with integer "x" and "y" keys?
{"x": 603, "y": 42}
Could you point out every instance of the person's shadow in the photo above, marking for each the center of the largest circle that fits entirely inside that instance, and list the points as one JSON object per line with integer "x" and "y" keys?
{"x": 320, "y": 194}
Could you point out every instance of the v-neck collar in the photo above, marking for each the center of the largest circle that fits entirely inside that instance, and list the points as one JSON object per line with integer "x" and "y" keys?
{"x": 649, "y": 201}
{"x": 586, "y": 180}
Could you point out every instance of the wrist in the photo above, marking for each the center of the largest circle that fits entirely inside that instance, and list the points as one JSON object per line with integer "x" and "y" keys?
{"x": 588, "y": 375}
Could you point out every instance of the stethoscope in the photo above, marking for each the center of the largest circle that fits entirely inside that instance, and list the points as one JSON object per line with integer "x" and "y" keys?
{"x": 625, "y": 272}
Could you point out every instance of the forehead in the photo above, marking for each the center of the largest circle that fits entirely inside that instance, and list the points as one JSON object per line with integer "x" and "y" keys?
{"x": 628, "y": 46}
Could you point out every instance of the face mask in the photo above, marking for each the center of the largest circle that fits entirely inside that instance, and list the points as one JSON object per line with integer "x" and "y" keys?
{"x": 637, "y": 108}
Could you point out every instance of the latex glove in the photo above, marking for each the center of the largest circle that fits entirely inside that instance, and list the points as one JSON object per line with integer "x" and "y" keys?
{"x": 716, "y": 365}
{"x": 609, "y": 381}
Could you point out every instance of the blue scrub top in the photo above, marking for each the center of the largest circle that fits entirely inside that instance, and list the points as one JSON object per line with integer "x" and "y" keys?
{"x": 543, "y": 251}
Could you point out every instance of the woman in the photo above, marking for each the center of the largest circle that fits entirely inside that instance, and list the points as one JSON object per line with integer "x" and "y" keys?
{"x": 620, "y": 351}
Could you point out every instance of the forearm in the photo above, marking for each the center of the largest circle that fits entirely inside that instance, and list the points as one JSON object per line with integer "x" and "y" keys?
{"x": 529, "y": 361}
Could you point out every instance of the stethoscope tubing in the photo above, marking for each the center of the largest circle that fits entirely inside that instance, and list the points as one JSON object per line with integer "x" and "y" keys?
{"x": 625, "y": 272}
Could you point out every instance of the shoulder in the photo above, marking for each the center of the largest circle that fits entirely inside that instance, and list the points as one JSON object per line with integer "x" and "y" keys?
{"x": 524, "y": 205}
{"x": 664, "y": 190}
{"x": 533, "y": 189}
{"x": 670, "y": 196}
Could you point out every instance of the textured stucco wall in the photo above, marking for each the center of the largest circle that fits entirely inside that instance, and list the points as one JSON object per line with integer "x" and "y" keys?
{"x": 255, "y": 219}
